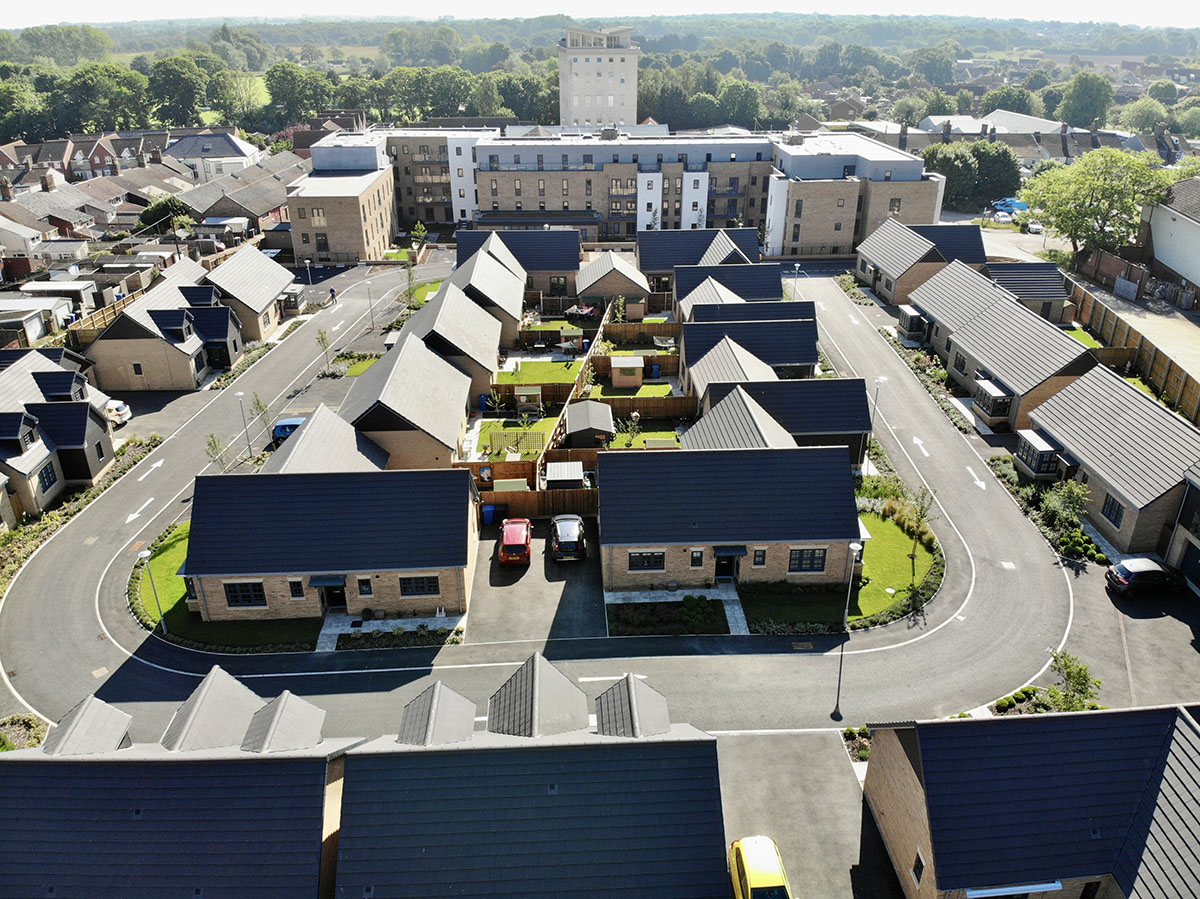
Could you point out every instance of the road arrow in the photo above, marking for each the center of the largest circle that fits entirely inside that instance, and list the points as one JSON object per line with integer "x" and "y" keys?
{"x": 975, "y": 477}
{"x": 921, "y": 446}
{"x": 853, "y": 320}
{"x": 338, "y": 325}
{"x": 157, "y": 464}
{"x": 138, "y": 513}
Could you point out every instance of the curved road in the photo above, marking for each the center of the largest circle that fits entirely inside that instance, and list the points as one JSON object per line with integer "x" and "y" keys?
{"x": 1006, "y": 601}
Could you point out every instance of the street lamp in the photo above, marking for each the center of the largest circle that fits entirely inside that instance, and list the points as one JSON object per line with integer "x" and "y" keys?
{"x": 308, "y": 269}
{"x": 875, "y": 405}
{"x": 855, "y": 549}
{"x": 144, "y": 555}
{"x": 245, "y": 426}
{"x": 370, "y": 304}
{"x": 796, "y": 282}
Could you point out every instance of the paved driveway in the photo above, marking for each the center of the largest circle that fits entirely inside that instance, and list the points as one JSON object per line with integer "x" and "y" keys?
{"x": 800, "y": 790}
{"x": 545, "y": 601}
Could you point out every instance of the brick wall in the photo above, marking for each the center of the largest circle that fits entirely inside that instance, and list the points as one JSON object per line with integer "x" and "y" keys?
{"x": 356, "y": 227}
{"x": 163, "y": 368}
{"x": 678, "y": 566}
{"x": 412, "y": 449}
{"x": 897, "y": 802}
{"x": 212, "y": 605}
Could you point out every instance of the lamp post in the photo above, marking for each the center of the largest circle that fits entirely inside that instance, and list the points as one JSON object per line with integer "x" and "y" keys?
{"x": 245, "y": 427}
{"x": 796, "y": 282}
{"x": 875, "y": 405}
{"x": 370, "y": 304}
{"x": 144, "y": 555}
{"x": 855, "y": 549}
{"x": 308, "y": 270}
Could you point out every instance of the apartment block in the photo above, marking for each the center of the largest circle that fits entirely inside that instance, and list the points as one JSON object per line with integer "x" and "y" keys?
{"x": 597, "y": 76}
{"x": 434, "y": 170}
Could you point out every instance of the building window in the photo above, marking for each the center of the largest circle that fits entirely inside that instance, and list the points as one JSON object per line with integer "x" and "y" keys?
{"x": 894, "y": 206}
{"x": 245, "y": 595}
{"x": 887, "y": 285}
{"x": 760, "y": 558}
{"x": 647, "y": 561}
{"x": 517, "y": 186}
{"x": 318, "y": 216}
{"x": 137, "y": 369}
{"x": 304, "y": 238}
{"x": 541, "y": 187}
{"x": 1113, "y": 510}
{"x": 296, "y": 589}
{"x": 566, "y": 187}
{"x": 697, "y": 558}
{"x": 837, "y": 226}
{"x": 960, "y": 363}
{"x": 918, "y": 868}
{"x": 420, "y": 586}
{"x": 460, "y": 171}
{"x": 47, "y": 477}
{"x": 806, "y": 560}
{"x": 301, "y": 212}
{"x": 364, "y": 586}
{"x": 799, "y": 208}
{"x": 322, "y": 242}
{"x": 887, "y": 176}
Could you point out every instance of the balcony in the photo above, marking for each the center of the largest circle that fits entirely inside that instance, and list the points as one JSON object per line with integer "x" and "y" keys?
{"x": 547, "y": 167}
{"x": 432, "y": 179}
{"x": 428, "y": 157}
{"x": 727, "y": 192}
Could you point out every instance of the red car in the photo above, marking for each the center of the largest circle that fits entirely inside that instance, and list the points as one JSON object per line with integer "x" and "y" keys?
{"x": 516, "y": 535}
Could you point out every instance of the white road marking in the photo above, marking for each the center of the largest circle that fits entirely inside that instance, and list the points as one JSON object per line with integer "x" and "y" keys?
{"x": 90, "y": 540}
{"x": 853, "y": 320}
{"x": 975, "y": 477}
{"x": 961, "y": 617}
{"x": 150, "y": 470}
{"x": 338, "y": 326}
{"x": 99, "y": 673}
{"x": 138, "y": 513}
{"x": 920, "y": 444}
{"x": 1008, "y": 566}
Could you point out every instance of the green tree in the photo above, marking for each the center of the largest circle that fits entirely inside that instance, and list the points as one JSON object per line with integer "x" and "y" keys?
{"x": 1064, "y": 503}
{"x": 485, "y": 97}
{"x": 1012, "y": 98}
{"x": 740, "y": 102}
{"x": 1096, "y": 203}
{"x": 999, "y": 171}
{"x": 1086, "y": 99}
{"x": 217, "y": 451}
{"x": 449, "y": 90}
{"x": 920, "y": 512}
{"x": 1163, "y": 91}
{"x": 1142, "y": 115}
{"x": 178, "y": 88}
{"x": 958, "y": 165}
{"x": 938, "y": 102}
{"x": 141, "y": 63}
{"x": 323, "y": 342}
{"x": 1051, "y": 97}
{"x": 703, "y": 110}
{"x": 234, "y": 94}
{"x": 1189, "y": 121}
{"x": 287, "y": 83}
{"x": 67, "y": 45}
{"x": 100, "y": 97}
{"x": 1076, "y": 690}
{"x": 908, "y": 110}
{"x": 934, "y": 64}
{"x": 1037, "y": 80}
{"x": 22, "y": 109}
{"x": 964, "y": 100}
{"x": 160, "y": 214}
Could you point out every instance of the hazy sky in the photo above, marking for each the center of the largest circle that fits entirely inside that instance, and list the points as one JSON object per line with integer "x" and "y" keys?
{"x": 1185, "y": 15}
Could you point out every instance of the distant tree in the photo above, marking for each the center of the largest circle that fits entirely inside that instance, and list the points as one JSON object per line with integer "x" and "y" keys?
{"x": 1012, "y": 98}
{"x": 964, "y": 100}
{"x": 1189, "y": 121}
{"x": 1051, "y": 97}
{"x": 1142, "y": 115}
{"x": 485, "y": 97}
{"x": 1087, "y": 98}
{"x": 934, "y": 64}
{"x": 22, "y": 110}
{"x": 740, "y": 102}
{"x": 1044, "y": 165}
{"x": 999, "y": 171}
{"x": 960, "y": 169}
{"x": 908, "y": 110}
{"x": 178, "y": 88}
{"x": 310, "y": 54}
{"x": 286, "y": 85}
{"x": 938, "y": 102}
{"x": 1037, "y": 80}
{"x": 158, "y": 215}
{"x": 704, "y": 110}
{"x": 234, "y": 94}
{"x": 141, "y": 63}
{"x": 100, "y": 97}
{"x": 67, "y": 45}
{"x": 1163, "y": 90}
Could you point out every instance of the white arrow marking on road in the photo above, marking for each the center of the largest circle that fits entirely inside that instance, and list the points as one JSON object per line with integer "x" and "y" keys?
{"x": 820, "y": 305}
{"x": 338, "y": 325}
{"x": 921, "y": 446}
{"x": 853, "y": 320}
{"x": 138, "y": 513}
{"x": 978, "y": 483}
{"x": 157, "y": 464}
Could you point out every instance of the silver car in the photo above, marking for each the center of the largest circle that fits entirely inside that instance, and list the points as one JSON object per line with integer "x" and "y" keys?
{"x": 567, "y": 540}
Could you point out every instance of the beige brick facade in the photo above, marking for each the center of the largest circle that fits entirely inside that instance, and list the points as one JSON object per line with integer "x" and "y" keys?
{"x": 678, "y": 568}
{"x": 335, "y": 227}
{"x": 415, "y": 449}
{"x": 1142, "y": 530}
{"x": 162, "y": 367}
{"x": 820, "y": 217}
{"x": 255, "y": 325}
{"x": 421, "y": 174}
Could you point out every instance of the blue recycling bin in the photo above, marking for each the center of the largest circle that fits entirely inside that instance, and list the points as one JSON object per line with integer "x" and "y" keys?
{"x": 655, "y": 368}
{"x": 586, "y": 344}
{"x": 483, "y": 402}
{"x": 489, "y": 513}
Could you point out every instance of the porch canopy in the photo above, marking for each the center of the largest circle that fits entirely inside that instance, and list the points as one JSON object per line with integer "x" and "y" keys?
{"x": 729, "y": 552}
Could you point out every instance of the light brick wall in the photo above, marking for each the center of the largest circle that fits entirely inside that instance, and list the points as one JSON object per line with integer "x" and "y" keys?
{"x": 678, "y": 567}
{"x": 359, "y": 227}
{"x": 615, "y": 284}
{"x": 1140, "y": 530}
{"x": 255, "y": 325}
{"x": 385, "y": 593}
{"x": 412, "y": 449}
{"x": 212, "y": 605}
{"x": 897, "y": 802}
{"x": 918, "y": 203}
{"x": 163, "y": 368}
{"x": 30, "y": 495}
{"x": 825, "y": 228}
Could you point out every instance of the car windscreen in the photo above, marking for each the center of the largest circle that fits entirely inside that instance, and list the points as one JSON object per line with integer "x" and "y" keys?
{"x": 769, "y": 893}
{"x": 1122, "y": 570}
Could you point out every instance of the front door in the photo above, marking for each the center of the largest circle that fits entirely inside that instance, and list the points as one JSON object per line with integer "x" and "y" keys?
{"x": 218, "y": 356}
{"x": 334, "y": 598}
{"x": 726, "y": 566}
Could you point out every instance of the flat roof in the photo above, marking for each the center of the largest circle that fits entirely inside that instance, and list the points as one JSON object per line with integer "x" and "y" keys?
{"x": 333, "y": 183}
{"x": 51, "y": 286}
{"x": 845, "y": 143}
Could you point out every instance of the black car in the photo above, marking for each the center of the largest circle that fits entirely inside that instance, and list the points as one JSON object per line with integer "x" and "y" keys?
{"x": 1142, "y": 574}
{"x": 567, "y": 540}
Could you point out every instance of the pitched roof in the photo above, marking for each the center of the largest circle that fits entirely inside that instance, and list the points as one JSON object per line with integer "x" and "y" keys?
{"x": 723, "y": 251}
{"x": 728, "y": 361}
{"x": 285, "y": 723}
{"x": 451, "y": 316}
{"x": 661, "y": 251}
{"x": 265, "y": 524}
{"x": 956, "y": 294}
{"x": 495, "y": 247}
{"x": 214, "y": 146}
{"x": 1138, "y": 446}
{"x": 896, "y": 248}
{"x": 736, "y": 422}
{"x": 1184, "y": 198}
{"x": 486, "y": 281}
{"x": 961, "y": 242}
{"x": 252, "y": 277}
{"x": 760, "y": 310}
{"x": 631, "y": 708}
{"x": 607, "y": 262}
{"x": 326, "y": 442}
{"x": 589, "y": 415}
{"x": 710, "y": 291}
{"x": 553, "y": 250}
{"x": 91, "y": 726}
{"x": 64, "y": 423}
{"x": 216, "y": 715}
{"x": 807, "y": 405}
{"x": 281, "y": 169}
{"x": 537, "y": 700}
{"x": 726, "y": 496}
{"x": 792, "y": 342}
{"x": 1032, "y": 282}
{"x": 758, "y": 281}
{"x": 416, "y": 384}
{"x": 436, "y": 716}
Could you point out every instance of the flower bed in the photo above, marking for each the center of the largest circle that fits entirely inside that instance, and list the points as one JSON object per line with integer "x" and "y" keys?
{"x": 694, "y": 615}
{"x": 929, "y": 371}
{"x": 254, "y": 352}
{"x": 398, "y": 638}
{"x": 21, "y": 732}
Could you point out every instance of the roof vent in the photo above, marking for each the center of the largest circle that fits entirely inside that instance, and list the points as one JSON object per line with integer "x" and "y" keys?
{"x": 1095, "y": 833}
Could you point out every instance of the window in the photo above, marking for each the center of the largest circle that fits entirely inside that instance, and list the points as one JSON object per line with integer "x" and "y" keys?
{"x": 697, "y": 558}
{"x": 245, "y": 595}
{"x": 806, "y": 560}
{"x": 458, "y": 152}
{"x": 517, "y": 186}
{"x": 649, "y": 206}
{"x": 295, "y": 589}
{"x": 837, "y": 226}
{"x": 887, "y": 176}
{"x": 918, "y": 868}
{"x": 566, "y": 187}
{"x": 760, "y": 558}
{"x": 301, "y": 212}
{"x": 137, "y": 369}
{"x": 460, "y": 171}
{"x": 841, "y": 203}
{"x": 462, "y": 193}
{"x": 795, "y": 232}
{"x": 495, "y": 190}
{"x": 1113, "y": 510}
{"x": 695, "y": 184}
{"x": 894, "y": 206}
{"x": 47, "y": 477}
{"x": 960, "y": 363}
{"x": 420, "y": 586}
{"x": 364, "y": 586}
{"x": 799, "y": 208}
{"x": 647, "y": 561}
{"x": 887, "y": 285}
{"x": 541, "y": 187}
{"x": 318, "y": 216}
{"x": 1039, "y": 463}
{"x": 27, "y": 439}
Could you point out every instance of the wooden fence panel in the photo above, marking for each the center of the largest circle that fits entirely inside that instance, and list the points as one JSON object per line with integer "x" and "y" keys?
{"x": 652, "y": 406}
{"x": 640, "y": 332}
{"x": 543, "y": 503}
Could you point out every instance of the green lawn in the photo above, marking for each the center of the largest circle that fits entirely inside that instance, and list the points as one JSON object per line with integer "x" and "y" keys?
{"x": 600, "y": 390}
{"x": 655, "y": 320}
{"x": 629, "y": 349}
{"x": 488, "y": 425}
{"x": 547, "y": 326}
{"x": 541, "y": 373}
{"x": 424, "y": 292}
{"x": 622, "y": 441}
{"x": 184, "y": 623}
{"x": 1141, "y": 385}
{"x": 1083, "y": 337}
{"x": 359, "y": 367}
{"x": 885, "y": 562}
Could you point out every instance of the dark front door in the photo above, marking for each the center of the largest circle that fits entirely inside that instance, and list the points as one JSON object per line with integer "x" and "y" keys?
{"x": 218, "y": 355}
{"x": 726, "y": 566}
{"x": 335, "y": 598}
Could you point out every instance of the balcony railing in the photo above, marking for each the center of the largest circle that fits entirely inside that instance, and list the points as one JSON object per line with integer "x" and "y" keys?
{"x": 547, "y": 167}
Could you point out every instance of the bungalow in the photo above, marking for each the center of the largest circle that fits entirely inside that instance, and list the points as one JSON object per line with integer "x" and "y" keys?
{"x": 541, "y": 803}
{"x": 97, "y": 814}
{"x": 710, "y": 291}
{"x": 1040, "y": 286}
{"x": 1183, "y": 549}
{"x": 589, "y": 424}
{"x": 758, "y": 281}
{"x": 691, "y": 517}
{"x": 658, "y": 252}
{"x": 461, "y": 332}
{"x": 1132, "y": 452}
{"x": 257, "y": 550}
{"x": 727, "y": 361}
{"x": 778, "y": 310}
{"x": 1087, "y": 805}
{"x": 736, "y": 422}
{"x": 895, "y": 258}
{"x": 412, "y": 403}
{"x": 814, "y": 411}
{"x": 495, "y": 288}
{"x": 211, "y": 155}
{"x": 950, "y": 299}
{"x": 788, "y": 346}
{"x": 253, "y": 285}
{"x": 611, "y": 275}
{"x": 326, "y": 442}
{"x": 546, "y": 260}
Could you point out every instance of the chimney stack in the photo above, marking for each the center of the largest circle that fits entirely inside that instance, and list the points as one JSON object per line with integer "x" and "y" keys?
{"x": 141, "y": 160}
{"x": 991, "y": 136}
{"x": 6, "y": 191}
{"x": 156, "y": 155}
{"x": 47, "y": 182}
{"x": 904, "y": 135}
{"x": 983, "y": 130}
{"x": 29, "y": 163}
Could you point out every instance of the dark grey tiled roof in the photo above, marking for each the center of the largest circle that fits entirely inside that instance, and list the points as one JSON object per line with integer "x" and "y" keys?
{"x": 65, "y": 423}
{"x": 896, "y": 248}
{"x": 808, "y": 405}
{"x": 736, "y": 422}
{"x": 1140, "y": 447}
{"x": 961, "y": 242}
{"x": 556, "y": 250}
{"x": 760, "y": 281}
{"x": 589, "y": 415}
{"x": 661, "y": 251}
{"x": 607, "y": 262}
{"x": 708, "y": 291}
{"x": 252, "y": 277}
{"x": 285, "y": 723}
{"x": 537, "y": 700}
{"x": 758, "y": 311}
{"x": 957, "y": 294}
{"x": 774, "y": 342}
{"x": 486, "y": 280}
{"x": 451, "y": 316}
{"x": 728, "y": 361}
{"x": 631, "y": 708}
{"x": 436, "y": 716}
{"x": 723, "y": 251}
{"x": 326, "y": 442}
{"x": 726, "y": 496}
{"x": 215, "y": 146}
{"x": 1184, "y": 197}
{"x": 1030, "y": 281}
{"x": 265, "y": 524}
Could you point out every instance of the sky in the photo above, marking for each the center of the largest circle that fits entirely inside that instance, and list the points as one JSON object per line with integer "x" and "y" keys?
{"x": 1186, "y": 15}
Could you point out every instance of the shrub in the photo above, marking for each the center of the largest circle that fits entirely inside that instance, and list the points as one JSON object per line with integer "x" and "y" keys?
{"x": 849, "y": 734}
{"x": 864, "y": 732}
{"x": 1004, "y": 705}
{"x": 864, "y": 753}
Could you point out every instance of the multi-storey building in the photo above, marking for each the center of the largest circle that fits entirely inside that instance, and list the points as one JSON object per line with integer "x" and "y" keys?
{"x": 434, "y": 172}
{"x": 597, "y": 76}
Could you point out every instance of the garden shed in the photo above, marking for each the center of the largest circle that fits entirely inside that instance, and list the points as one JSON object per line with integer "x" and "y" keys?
{"x": 564, "y": 475}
